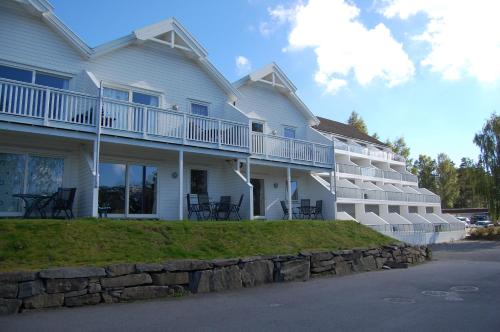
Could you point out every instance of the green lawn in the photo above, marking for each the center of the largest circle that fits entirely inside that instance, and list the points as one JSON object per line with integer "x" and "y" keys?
{"x": 35, "y": 244}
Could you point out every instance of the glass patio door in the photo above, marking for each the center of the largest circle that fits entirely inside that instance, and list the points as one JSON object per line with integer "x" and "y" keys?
{"x": 27, "y": 174}
{"x": 128, "y": 189}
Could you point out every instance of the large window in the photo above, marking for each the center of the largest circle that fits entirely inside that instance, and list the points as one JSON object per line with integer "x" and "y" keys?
{"x": 136, "y": 196}
{"x": 142, "y": 189}
{"x": 24, "y": 173}
{"x": 199, "y": 108}
{"x": 199, "y": 181}
{"x": 34, "y": 76}
{"x": 131, "y": 96}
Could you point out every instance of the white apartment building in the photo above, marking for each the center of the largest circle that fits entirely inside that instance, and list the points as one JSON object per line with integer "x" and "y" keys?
{"x": 141, "y": 121}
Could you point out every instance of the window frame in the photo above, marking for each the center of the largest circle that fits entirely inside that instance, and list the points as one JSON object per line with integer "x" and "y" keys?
{"x": 131, "y": 89}
{"x": 34, "y": 70}
{"x": 262, "y": 123}
{"x": 191, "y": 178}
{"x": 27, "y": 154}
{"x": 294, "y": 129}
{"x": 191, "y": 101}
{"x": 127, "y": 164}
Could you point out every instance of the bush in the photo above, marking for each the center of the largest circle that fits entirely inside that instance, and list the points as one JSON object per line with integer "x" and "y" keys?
{"x": 490, "y": 233}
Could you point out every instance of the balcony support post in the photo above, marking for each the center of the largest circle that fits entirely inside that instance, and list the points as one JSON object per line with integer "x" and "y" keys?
{"x": 97, "y": 151}
{"x": 46, "y": 108}
{"x": 250, "y": 189}
{"x": 219, "y": 136}
{"x": 181, "y": 184}
{"x": 250, "y": 136}
{"x": 184, "y": 128}
{"x": 289, "y": 192}
{"x": 333, "y": 181}
{"x": 144, "y": 123}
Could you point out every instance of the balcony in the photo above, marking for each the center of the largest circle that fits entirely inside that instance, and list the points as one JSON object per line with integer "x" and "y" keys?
{"x": 358, "y": 149}
{"x": 381, "y": 195}
{"x": 39, "y": 105}
{"x": 375, "y": 172}
{"x": 291, "y": 150}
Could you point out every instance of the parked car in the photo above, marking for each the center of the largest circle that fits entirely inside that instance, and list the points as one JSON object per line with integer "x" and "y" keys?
{"x": 483, "y": 224}
{"x": 464, "y": 219}
{"x": 479, "y": 217}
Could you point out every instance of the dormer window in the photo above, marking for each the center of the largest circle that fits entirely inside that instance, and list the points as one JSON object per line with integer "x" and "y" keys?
{"x": 289, "y": 132}
{"x": 199, "y": 108}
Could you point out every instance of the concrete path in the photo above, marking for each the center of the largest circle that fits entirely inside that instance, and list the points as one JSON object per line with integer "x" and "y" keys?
{"x": 459, "y": 291}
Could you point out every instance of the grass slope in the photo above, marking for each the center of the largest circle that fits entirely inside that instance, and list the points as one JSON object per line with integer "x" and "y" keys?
{"x": 35, "y": 244}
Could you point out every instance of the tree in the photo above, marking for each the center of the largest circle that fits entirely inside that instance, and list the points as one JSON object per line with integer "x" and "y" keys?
{"x": 488, "y": 140}
{"x": 425, "y": 168}
{"x": 472, "y": 181}
{"x": 447, "y": 182}
{"x": 376, "y": 136}
{"x": 357, "y": 122}
{"x": 399, "y": 147}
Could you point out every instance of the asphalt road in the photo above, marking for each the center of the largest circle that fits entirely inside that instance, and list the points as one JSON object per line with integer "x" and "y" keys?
{"x": 458, "y": 291}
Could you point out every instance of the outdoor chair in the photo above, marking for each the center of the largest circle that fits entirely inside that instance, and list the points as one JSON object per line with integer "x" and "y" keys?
{"x": 205, "y": 207}
{"x": 285, "y": 211}
{"x": 193, "y": 207}
{"x": 317, "y": 211}
{"x": 223, "y": 208}
{"x": 62, "y": 201}
{"x": 305, "y": 208}
{"x": 235, "y": 208}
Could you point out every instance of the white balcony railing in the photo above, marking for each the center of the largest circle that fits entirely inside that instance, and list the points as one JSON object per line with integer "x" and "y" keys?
{"x": 375, "y": 172}
{"x": 287, "y": 149}
{"x": 40, "y": 105}
{"x": 381, "y": 195}
{"x": 354, "y": 148}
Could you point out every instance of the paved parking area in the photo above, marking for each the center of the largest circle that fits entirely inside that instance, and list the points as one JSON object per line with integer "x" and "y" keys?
{"x": 459, "y": 291}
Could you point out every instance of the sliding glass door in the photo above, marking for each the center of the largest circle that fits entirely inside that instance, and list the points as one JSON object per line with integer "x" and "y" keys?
{"x": 128, "y": 189}
{"x": 27, "y": 174}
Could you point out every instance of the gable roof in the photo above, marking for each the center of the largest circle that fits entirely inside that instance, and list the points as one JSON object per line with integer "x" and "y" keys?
{"x": 342, "y": 129}
{"x": 273, "y": 75}
{"x": 169, "y": 33}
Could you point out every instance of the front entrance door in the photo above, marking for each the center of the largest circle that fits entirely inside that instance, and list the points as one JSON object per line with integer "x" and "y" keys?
{"x": 259, "y": 208}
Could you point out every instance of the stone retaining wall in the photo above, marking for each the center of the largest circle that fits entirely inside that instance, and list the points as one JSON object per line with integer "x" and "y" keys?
{"x": 71, "y": 287}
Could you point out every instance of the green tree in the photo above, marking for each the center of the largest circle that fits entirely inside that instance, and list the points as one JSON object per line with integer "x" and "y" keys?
{"x": 447, "y": 180}
{"x": 488, "y": 140}
{"x": 400, "y": 147}
{"x": 376, "y": 136}
{"x": 425, "y": 168}
{"x": 357, "y": 122}
{"x": 472, "y": 181}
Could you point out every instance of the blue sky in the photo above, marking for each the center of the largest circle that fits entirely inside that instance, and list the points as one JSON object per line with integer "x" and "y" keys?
{"x": 384, "y": 58}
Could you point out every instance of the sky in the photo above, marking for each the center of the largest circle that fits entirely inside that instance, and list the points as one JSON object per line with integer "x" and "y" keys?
{"x": 426, "y": 70}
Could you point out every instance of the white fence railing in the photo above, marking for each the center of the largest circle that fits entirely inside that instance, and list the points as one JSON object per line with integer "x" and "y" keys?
{"x": 50, "y": 106}
{"x": 282, "y": 148}
{"x": 346, "y": 192}
{"x": 339, "y": 145}
{"x": 375, "y": 172}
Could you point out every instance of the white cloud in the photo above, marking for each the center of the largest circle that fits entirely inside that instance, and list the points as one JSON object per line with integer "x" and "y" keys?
{"x": 344, "y": 47}
{"x": 243, "y": 65}
{"x": 279, "y": 15}
{"x": 464, "y": 36}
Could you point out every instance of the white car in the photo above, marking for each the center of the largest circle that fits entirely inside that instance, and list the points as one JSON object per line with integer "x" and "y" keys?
{"x": 464, "y": 219}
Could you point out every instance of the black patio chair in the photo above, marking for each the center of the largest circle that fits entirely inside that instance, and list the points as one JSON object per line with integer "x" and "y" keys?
{"x": 235, "y": 208}
{"x": 285, "y": 211}
{"x": 305, "y": 208}
{"x": 318, "y": 210}
{"x": 222, "y": 209}
{"x": 62, "y": 201}
{"x": 205, "y": 207}
{"x": 193, "y": 207}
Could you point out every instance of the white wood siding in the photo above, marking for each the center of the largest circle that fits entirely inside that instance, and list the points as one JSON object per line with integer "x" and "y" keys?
{"x": 273, "y": 107}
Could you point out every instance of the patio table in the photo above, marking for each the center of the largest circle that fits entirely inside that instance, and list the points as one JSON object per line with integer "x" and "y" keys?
{"x": 32, "y": 203}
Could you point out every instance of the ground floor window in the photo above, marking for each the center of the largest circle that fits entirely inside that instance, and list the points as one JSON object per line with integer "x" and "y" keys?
{"x": 27, "y": 174}
{"x": 199, "y": 181}
{"x": 131, "y": 188}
